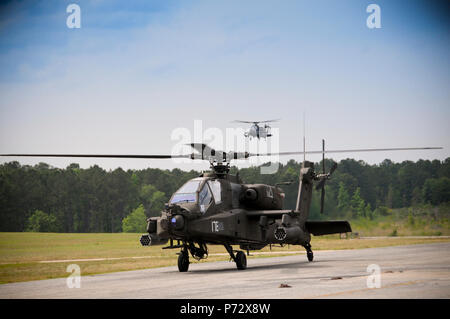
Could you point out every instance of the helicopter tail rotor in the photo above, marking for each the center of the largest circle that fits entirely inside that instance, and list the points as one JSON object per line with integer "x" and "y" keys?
{"x": 322, "y": 178}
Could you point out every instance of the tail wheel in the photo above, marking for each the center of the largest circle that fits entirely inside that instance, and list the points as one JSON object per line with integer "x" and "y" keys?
{"x": 241, "y": 260}
{"x": 310, "y": 255}
{"x": 183, "y": 262}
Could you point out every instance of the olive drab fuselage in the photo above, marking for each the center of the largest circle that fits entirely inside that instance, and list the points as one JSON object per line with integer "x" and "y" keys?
{"x": 237, "y": 217}
{"x": 217, "y": 208}
{"x": 250, "y": 215}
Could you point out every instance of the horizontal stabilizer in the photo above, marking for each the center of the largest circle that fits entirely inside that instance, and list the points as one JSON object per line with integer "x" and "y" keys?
{"x": 318, "y": 228}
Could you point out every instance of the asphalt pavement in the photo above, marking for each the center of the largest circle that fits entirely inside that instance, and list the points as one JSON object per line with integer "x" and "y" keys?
{"x": 413, "y": 271}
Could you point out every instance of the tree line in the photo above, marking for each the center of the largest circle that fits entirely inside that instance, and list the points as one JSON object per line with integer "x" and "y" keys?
{"x": 44, "y": 198}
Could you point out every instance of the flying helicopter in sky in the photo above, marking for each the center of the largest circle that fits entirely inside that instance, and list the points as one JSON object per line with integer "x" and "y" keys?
{"x": 258, "y": 131}
{"x": 219, "y": 208}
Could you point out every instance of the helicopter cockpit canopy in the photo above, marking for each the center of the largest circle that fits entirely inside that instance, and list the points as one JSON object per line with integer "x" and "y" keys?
{"x": 199, "y": 189}
{"x": 187, "y": 193}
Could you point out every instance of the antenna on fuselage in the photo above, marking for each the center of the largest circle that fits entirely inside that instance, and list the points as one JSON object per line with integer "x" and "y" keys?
{"x": 304, "y": 138}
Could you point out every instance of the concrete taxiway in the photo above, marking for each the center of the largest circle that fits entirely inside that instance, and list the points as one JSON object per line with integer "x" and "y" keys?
{"x": 414, "y": 271}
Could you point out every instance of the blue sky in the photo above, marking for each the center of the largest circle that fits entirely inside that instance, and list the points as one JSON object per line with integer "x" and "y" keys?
{"x": 137, "y": 70}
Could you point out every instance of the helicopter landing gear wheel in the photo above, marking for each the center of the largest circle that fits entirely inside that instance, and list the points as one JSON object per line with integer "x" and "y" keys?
{"x": 241, "y": 260}
{"x": 309, "y": 252}
{"x": 183, "y": 261}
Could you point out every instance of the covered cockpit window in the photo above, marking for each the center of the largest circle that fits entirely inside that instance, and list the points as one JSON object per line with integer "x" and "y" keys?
{"x": 204, "y": 198}
{"x": 216, "y": 190}
{"x": 187, "y": 193}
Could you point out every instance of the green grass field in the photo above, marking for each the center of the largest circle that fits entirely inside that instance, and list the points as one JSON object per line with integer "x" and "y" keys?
{"x": 33, "y": 256}
{"x": 410, "y": 221}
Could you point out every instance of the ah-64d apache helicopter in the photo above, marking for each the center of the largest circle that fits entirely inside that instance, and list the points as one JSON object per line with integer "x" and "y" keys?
{"x": 218, "y": 208}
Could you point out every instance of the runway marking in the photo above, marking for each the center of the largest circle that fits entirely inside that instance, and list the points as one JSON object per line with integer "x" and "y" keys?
{"x": 404, "y": 237}
{"x": 143, "y": 257}
{"x": 217, "y": 254}
{"x": 407, "y": 283}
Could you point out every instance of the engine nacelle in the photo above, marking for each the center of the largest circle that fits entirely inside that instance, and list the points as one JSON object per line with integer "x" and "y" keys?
{"x": 260, "y": 196}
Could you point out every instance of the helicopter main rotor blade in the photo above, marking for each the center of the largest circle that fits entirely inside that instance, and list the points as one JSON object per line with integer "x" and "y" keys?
{"x": 256, "y": 122}
{"x": 232, "y": 155}
{"x": 275, "y": 120}
{"x": 348, "y": 151}
{"x": 202, "y": 148}
{"x": 99, "y": 156}
{"x": 248, "y": 122}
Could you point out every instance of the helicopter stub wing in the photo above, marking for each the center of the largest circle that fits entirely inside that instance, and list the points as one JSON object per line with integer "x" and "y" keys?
{"x": 271, "y": 213}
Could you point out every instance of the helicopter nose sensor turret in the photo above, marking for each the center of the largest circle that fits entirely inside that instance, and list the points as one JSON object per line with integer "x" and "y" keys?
{"x": 177, "y": 222}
